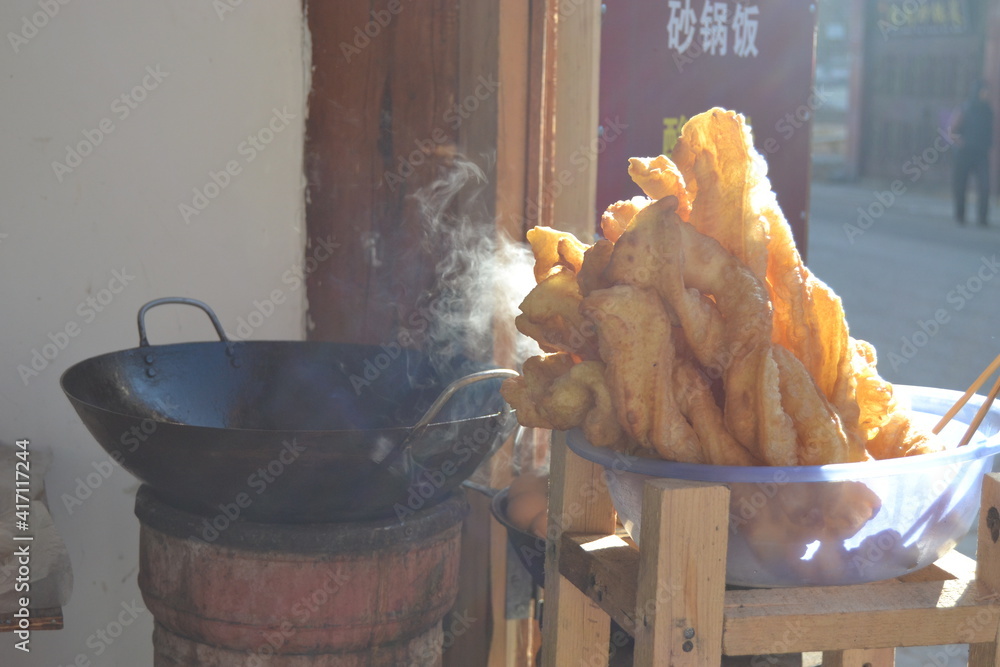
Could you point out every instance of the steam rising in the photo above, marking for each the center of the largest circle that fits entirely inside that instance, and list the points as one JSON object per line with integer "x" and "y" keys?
{"x": 482, "y": 274}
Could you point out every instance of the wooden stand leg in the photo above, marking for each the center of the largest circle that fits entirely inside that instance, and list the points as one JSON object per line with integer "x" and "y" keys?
{"x": 671, "y": 591}
{"x": 875, "y": 657}
{"x": 575, "y": 631}
{"x": 983, "y": 655}
{"x": 682, "y": 574}
{"x": 988, "y": 569}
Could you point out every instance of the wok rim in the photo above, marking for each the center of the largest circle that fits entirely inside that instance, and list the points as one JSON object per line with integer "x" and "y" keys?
{"x": 75, "y": 368}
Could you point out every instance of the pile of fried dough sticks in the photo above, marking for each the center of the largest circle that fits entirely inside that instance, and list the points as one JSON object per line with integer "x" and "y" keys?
{"x": 694, "y": 332}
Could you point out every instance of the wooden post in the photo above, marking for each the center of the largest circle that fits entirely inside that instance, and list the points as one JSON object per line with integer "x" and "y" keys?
{"x": 541, "y": 120}
{"x": 682, "y": 574}
{"x": 439, "y": 80}
{"x": 380, "y": 127}
{"x": 987, "y": 654}
{"x": 575, "y": 631}
{"x": 577, "y": 62}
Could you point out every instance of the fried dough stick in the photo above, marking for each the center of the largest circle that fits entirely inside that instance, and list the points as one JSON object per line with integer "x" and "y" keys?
{"x": 554, "y": 392}
{"x": 874, "y": 395}
{"x": 635, "y": 342}
{"x": 900, "y": 437}
{"x": 733, "y": 203}
{"x": 809, "y": 320}
{"x": 661, "y": 251}
{"x": 595, "y": 260}
{"x": 820, "y": 434}
{"x": 697, "y": 404}
{"x": 726, "y": 179}
{"x": 742, "y": 301}
{"x": 659, "y": 177}
{"x": 553, "y": 248}
{"x": 600, "y": 423}
{"x": 646, "y": 257}
{"x": 617, "y": 217}
{"x": 527, "y": 392}
{"x": 550, "y": 314}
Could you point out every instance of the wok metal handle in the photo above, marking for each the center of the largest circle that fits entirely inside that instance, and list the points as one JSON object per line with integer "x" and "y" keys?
{"x": 487, "y": 491}
{"x": 401, "y": 458}
{"x": 450, "y": 390}
{"x": 144, "y": 342}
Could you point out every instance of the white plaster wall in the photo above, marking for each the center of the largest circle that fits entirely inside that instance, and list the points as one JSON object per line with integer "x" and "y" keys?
{"x": 222, "y": 76}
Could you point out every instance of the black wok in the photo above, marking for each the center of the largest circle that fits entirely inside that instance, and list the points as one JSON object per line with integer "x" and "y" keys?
{"x": 287, "y": 431}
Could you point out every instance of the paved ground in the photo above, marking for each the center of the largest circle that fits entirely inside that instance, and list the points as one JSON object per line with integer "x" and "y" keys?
{"x": 919, "y": 287}
{"x": 923, "y": 290}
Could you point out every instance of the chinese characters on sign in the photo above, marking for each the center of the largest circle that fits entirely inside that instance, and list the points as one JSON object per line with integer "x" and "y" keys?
{"x": 713, "y": 26}
{"x": 921, "y": 17}
{"x": 752, "y": 56}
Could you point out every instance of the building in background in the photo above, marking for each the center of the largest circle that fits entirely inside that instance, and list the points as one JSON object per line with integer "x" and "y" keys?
{"x": 896, "y": 71}
{"x": 834, "y": 59}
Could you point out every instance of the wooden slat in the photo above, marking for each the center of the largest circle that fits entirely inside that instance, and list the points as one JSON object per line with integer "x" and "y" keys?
{"x": 348, "y": 150}
{"x": 503, "y": 633}
{"x": 895, "y": 613}
{"x": 988, "y": 535}
{"x": 953, "y": 565}
{"x": 606, "y": 569}
{"x": 483, "y": 571}
{"x": 682, "y": 574}
{"x": 576, "y": 630}
{"x": 987, "y": 653}
{"x": 865, "y": 616}
{"x": 512, "y": 147}
{"x": 473, "y": 588}
{"x": 503, "y": 645}
{"x": 378, "y": 129}
{"x": 479, "y": 55}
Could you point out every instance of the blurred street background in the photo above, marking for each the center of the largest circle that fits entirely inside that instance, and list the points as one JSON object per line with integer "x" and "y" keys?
{"x": 922, "y": 289}
{"x": 881, "y": 231}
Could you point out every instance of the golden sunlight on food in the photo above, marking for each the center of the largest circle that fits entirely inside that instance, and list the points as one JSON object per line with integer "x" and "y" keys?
{"x": 694, "y": 332}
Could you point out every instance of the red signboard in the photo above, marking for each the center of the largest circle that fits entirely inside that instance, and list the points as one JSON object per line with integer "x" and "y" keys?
{"x": 663, "y": 61}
